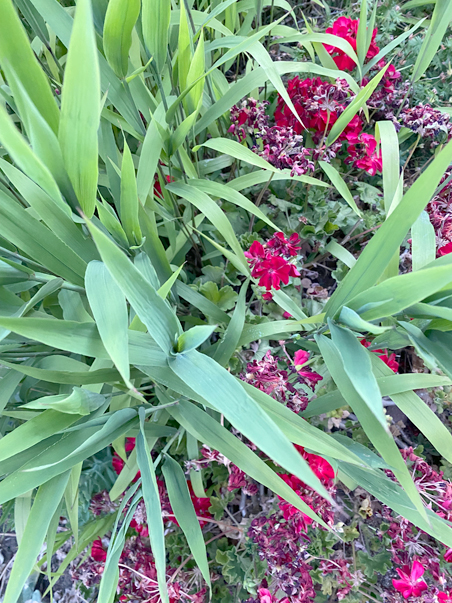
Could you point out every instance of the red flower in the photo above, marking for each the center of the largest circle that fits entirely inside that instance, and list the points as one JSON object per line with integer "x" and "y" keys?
{"x": 274, "y": 270}
{"x": 348, "y": 29}
{"x": 322, "y": 469}
{"x": 363, "y": 154}
{"x": 444, "y": 250}
{"x": 389, "y": 360}
{"x": 288, "y": 247}
{"x": 118, "y": 463}
{"x": 158, "y": 188}
{"x": 98, "y": 553}
{"x": 445, "y": 597}
{"x": 448, "y": 556}
{"x": 410, "y": 583}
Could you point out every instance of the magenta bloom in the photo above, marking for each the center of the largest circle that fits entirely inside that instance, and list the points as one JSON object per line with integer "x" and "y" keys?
{"x": 448, "y": 556}
{"x": 300, "y": 357}
{"x": 410, "y": 583}
{"x": 348, "y": 29}
{"x": 445, "y": 597}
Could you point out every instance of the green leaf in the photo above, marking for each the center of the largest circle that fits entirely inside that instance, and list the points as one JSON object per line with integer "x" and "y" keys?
{"x": 442, "y": 15}
{"x": 380, "y": 250}
{"x": 80, "y": 109}
{"x": 213, "y": 213}
{"x": 183, "y": 48}
{"x": 238, "y": 151}
{"x": 203, "y": 427}
{"x": 361, "y": 36}
{"x": 354, "y": 321}
{"x": 358, "y": 367}
{"x": 120, "y": 20}
{"x": 129, "y": 199}
{"x": 152, "y": 310}
{"x": 223, "y": 191}
{"x": 79, "y": 402}
{"x": 155, "y": 18}
{"x": 357, "y": 103}
{"x": 386, "y": 133}
{"x": 419, "y": 413}
{"x": 16, "y": 51}
{"x": 185, "y": 513}
{"x": 195, "y": 74}
{"x": 219, "y": 388}
{"x": 233, "y": 333}
{"x": 194, "y": 337}
{"x": 395, "y": 294}
{"x": 340, "y": 185}
{"x": 423, "y": 246}
{"x": 45, "y": 504}
{"x": 109, "y": 308}
{"x": 153, "y": 508}
{"x": 380, "y": 437}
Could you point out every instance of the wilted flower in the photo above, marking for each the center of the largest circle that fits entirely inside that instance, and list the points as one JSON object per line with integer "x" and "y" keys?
{"x": 426, "y": 121}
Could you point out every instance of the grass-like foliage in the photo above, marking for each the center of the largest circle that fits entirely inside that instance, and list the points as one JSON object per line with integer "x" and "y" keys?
{"x": 224, "y": 260}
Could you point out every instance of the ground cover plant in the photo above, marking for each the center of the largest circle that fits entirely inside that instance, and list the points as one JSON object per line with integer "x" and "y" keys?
{"x": 225, "y": 316}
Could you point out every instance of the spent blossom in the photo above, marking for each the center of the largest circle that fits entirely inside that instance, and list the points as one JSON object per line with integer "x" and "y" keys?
{"x": 426, "y": 121}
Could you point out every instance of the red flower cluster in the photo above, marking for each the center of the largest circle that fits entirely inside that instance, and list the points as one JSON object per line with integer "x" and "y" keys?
{"x": 118, "y": 463}
{"x": 389, "y": 360}
{"x": 347, "y": 29}
{"x": 319, "y": 105}
{"x": 362, "y": 152}
{"x": 270, "y": 262}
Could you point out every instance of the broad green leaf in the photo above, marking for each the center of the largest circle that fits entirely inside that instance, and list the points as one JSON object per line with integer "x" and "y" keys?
{"x": 379, "y": 251}
{"x": 230, "y": 341}
{"x": 393, "y": 44}
{"x": 22, "y": 508}
{"x": 423, "y": 245}
{"x": 10, "y": 381}
{"x": 207, "y": 307}
{"x": 153, "y": 508}
{"x": 120, "y": 20}
{"x": 61, "y": 23}
{"x": 397, "y": 293}
{"x": 129, "y": 199}
{"x": 222, "y": 191}
{"x": 21, "y": 153}
{"x": 152, "y": 310}
{"x": 80, "y": 109}
{"x": 216, "y": 385}
{"x": 235, "y": 149}
{"x": 361, "y": 36}
{"x": 386, "y": 133}
{"x": 155, "y": 18}
{"x": 419, "y": 413}
{"x": 183, "y": 48}
{"x": 353, "y": 320}
{"x": 358, "y": 367}
{"x": 340, "y": 185}
{"x": 396, "y": 498}
{"x": 380, "y": 437}
{"x": 324, "y": 38}
{"x": 357, "y": 103}
{"x": 393, "y": 384}
{"x": 195, "y": 74}
{"x": 16, "y": 51}
{"x": 109, "y": 308}
{"x": 82, "y": 338}
{"x": 71, "y": 495}
{"x": 150, "y": 154}
{"x": 79, "y": 402}
{"x": 194, "y": 337}
{"x": 47, "y": 499}
{"x": 442, "y": 15}
{"x": 211, "y": 210}
{"x": 203, "y": 427}
{"x": 38, "y": 242}
{"x": 185, "y": 513}
{"x": 341, "y": 253}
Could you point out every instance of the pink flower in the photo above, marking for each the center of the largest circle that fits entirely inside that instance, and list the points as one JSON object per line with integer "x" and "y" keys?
{"x": 300, "y": 357}
{"x": 273, "y": 271}
{"x": 287, "y": 315}
{"x": 265, "y": 596}
{"x": 98, "y": 553}
{"x": 410, "y": 583}
{"x": 445, "y": 597}
{"x": 448, "y": 556}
